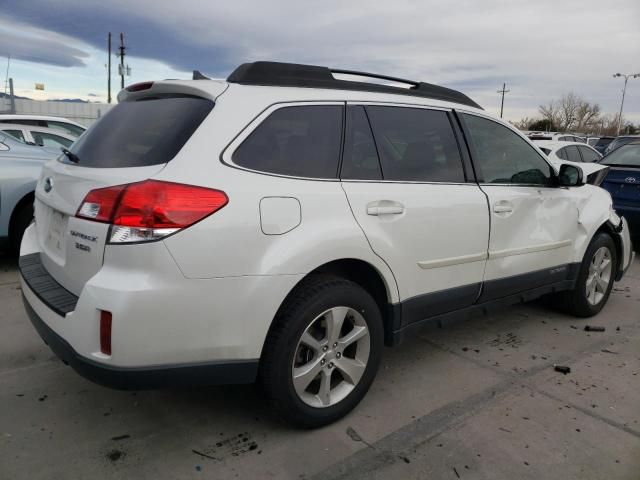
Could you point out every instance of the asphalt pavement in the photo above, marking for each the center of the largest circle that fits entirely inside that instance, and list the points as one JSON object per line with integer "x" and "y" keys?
{"x": 477, "y": 400}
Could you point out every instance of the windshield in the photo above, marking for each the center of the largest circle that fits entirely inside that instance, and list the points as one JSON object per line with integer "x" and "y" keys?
{"x": 627, "y": 155}
{"x": 148, "y": 131}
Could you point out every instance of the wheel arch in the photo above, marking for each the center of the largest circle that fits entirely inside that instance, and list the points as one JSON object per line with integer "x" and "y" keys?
{"x": 27, "y": 199}
{"x": 610, "y": 229}
{"x": 366, "y": 276}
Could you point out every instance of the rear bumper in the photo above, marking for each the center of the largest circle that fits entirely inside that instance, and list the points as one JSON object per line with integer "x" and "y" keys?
{"x": 212, "y": 373}
{"x": 167, "y": 330}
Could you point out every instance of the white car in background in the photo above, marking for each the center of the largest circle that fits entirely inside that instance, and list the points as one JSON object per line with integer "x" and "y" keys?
{"x": 569, "y": 151}
{"x": 578, "y": 153}
{"x": 62, "y": 124}
{"x": 48, "y": 138}
{"x": 556, "y": 137}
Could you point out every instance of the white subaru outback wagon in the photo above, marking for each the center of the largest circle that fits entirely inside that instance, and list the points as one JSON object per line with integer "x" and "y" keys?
{"x": 287, "y": 223}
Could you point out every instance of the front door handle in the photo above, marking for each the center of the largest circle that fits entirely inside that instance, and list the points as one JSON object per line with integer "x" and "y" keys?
{"x": 503, "y": 207}
{"x": 385, "y": 207}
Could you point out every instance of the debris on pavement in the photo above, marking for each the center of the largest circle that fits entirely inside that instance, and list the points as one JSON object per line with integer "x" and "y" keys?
{"x": 593, "y": 328}
{"x": 562, "y": 369}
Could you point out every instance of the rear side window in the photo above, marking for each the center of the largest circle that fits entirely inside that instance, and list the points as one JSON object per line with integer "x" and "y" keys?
{"x": 416, "y": 144}
{"x": 588, "y": 155}
{"x": 50, "y": 140}
{"x": 16, "y": 134}
{"x": 295, "y": 141}
{"x": 562, "y": 153}
{"x": 360, "y": 158}
{"x": 573, "y": 155}
{"x": 148, "y": 131}
{"x": 504, "y": 157}
{"x": 66, "y": 127}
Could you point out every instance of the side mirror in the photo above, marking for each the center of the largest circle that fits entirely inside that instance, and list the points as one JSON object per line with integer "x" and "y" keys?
{"x": 570, "y": 176}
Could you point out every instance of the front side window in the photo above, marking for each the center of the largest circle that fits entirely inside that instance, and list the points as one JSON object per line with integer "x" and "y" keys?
{"x": 416, "y": 144}
{"x": 573, "y": 155}
{"x": 504, "y": 157}
{"x": 300, "y": 141}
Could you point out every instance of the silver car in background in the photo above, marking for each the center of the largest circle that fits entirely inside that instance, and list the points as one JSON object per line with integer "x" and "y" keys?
{"x": 20, "y": 167}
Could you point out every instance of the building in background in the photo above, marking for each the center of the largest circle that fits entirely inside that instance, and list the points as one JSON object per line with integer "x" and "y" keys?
{"x": 84, "y": 113}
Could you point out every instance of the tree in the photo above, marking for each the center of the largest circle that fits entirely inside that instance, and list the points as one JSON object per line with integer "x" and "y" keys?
{"x": 571, "y": 112}
{"x": 523, "y": 123}
{"x": 543, "y": 124}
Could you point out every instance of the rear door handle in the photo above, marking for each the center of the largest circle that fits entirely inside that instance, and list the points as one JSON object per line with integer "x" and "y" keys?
{"x": 385, "y": 207}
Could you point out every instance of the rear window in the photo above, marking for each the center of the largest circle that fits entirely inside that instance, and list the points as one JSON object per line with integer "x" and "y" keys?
{"x": 148, "y": 131}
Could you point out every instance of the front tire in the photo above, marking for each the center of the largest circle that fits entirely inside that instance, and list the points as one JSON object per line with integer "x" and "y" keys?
{"x": 595, "y": 279}
{"x": 323, "y": 351}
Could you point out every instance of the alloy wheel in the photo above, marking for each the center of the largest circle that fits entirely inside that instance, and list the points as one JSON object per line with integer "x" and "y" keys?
{"x": 599, "y": 276}
{"x": 331, "y": 357}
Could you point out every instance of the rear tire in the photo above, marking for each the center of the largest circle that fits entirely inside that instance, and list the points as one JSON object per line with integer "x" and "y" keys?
{"x": 19, "y": 223}
{"x": 595, "y": 279}
{"x": 323, "y": 351}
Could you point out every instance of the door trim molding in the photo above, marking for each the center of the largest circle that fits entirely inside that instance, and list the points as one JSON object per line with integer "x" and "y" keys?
{"x": 447, "y": 262}
{"x": 508, "y": 252}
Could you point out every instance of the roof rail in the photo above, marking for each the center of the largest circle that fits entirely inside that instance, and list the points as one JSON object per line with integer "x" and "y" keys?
{"x": 311, "y": 76}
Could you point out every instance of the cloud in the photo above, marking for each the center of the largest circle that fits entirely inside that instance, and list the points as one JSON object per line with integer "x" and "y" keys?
{"x": 541, "y": 49}
{"x": 31, "y": 44}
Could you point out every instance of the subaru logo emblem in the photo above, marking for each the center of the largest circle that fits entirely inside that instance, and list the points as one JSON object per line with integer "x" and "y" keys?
{"x": 48, "y": 184}
{"x": 630, "y": 180}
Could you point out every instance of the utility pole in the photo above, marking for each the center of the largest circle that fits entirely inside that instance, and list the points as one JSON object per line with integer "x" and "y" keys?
{"x": 109, "y": 69}
{"x": 12, "y": 97}
{"x": 6, "y": 78}
{"x": 503, "y": 91}
{"x": 624, "y": 90}
{"x": 122, "y": 54}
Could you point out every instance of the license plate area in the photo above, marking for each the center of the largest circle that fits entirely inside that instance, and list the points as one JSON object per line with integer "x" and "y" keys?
{"x": 54, "y": 233}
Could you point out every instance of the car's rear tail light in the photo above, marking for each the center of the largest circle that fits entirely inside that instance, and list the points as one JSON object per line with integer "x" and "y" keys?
{"x": 150, "y": 210}
{"x": 105, "y": 332}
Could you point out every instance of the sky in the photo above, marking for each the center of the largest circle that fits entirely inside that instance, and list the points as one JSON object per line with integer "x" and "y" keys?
{"x": 541, "y": 49}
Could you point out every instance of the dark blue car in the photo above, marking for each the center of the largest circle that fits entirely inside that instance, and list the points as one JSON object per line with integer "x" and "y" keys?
{"x": 623, "y": 183}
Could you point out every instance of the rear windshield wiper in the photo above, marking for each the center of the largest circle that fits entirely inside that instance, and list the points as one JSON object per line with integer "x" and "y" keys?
{"x": 70, "y": 155}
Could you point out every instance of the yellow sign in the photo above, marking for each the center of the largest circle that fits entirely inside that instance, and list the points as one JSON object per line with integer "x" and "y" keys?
{"x": 39, "y": 86}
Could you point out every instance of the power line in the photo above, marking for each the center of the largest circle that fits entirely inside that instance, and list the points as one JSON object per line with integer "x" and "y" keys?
{"x": 503, "y": 91}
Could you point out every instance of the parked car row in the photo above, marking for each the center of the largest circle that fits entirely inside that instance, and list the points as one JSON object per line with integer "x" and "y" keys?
{"x": 26, "y": 143}
{"x": 284, "y": 224}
